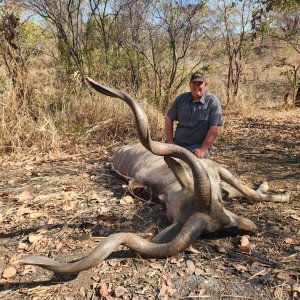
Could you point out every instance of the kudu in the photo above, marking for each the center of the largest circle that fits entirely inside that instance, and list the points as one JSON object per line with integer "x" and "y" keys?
{"x": 190, "y": 187}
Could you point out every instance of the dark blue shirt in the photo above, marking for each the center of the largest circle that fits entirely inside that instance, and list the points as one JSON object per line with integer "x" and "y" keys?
{"x": 194, "y": 118}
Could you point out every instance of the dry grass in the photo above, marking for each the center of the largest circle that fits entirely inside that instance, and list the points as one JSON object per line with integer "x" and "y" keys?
{"x": 64, "y": 112}
{"x": 63, "y": 115}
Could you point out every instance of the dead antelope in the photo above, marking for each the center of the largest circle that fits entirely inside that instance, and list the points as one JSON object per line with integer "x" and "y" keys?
{"x": 190, "y": 186}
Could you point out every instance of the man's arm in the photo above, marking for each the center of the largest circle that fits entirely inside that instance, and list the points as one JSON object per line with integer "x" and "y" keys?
{"x": 169, "y": 129}
{"x": 209, "y": 140}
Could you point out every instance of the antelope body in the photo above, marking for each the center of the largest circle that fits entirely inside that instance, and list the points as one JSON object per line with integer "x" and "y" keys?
{"x": 190, "y": 187}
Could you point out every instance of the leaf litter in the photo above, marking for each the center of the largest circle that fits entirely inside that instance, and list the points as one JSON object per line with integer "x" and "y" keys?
{"x": 57, "y": 206}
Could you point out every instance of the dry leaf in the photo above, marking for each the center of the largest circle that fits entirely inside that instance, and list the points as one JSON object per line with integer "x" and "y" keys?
{"x": 192, "y": 250}
{"x": 244, "y": 240}
{"x": 104, "y": 209}
{"x": 169, "y": 283}
{"x": 95, "y": 196}
{"x": 114, "y": 262}
{"x": 96, "y": 278}
{"x": 28, "y": 270}
{"x": 165, "y": 291}
{"x": 295, "y": 217}
{"x": 103, "y": 290}
{"x": 9, "y": 272}
{"x": 58, "y": 246}
{"x": 289, "y": 241}
{"x": 241, "y": 268}
{"x": 25, "y": 196}
{"x": 14, "y": 258}
{"x": 22, "y": 245}
{"x": 12, "y": 181}
{"x": 22, "y": 210}
{"x": 50, "y": 221}
{"x": 202, "y": 292}
{"x": 156, "y": 266}
{"x": 222, "y": 249}
{"x": 33, "y": 238}
{"x": 126, "y": 200}
{"x": 28, "y": 167}
{"x": 35, "y": 215}
{"x": 69, "y": 204}
{"x": 190, "y": 267}
{"x": 245, "y": 244}
{"x": 69, "y": 188}
{"x": 5, "y": 194}
{"x": 82, "y": 292}
{"x": 284, "y": 276}
{"x": 221, "y": 267}
{"x": 65, "y": 289}
{"x": 120, "y": 291}
{"x": 198, "y": 272}
{"x": 89, "y": 294}
{"x": 296, "y": 287}
{"x": 176, "y": 260}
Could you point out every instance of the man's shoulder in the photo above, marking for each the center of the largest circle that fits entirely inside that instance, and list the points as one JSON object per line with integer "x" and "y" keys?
{"x": 183, "y": 97}
{"x": 211, "y": 98}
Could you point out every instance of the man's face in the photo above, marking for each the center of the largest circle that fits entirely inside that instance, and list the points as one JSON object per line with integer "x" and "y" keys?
{"x": 197, "y": 89}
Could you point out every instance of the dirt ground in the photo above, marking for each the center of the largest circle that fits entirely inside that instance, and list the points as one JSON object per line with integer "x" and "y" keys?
{"x": 62, "y": 205}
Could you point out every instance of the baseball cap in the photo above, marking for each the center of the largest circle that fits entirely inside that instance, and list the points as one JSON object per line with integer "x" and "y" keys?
{"x": 197, "y": 76}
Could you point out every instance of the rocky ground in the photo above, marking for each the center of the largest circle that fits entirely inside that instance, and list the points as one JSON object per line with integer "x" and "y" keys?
{"x": 62, "y": 205}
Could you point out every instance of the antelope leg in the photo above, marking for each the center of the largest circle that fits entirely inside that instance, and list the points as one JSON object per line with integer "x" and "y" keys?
{"x": 134, "y": 184}
{"x": 240, "y": 222}
{"x": 248, "y": 193}
{"x": 167, "y": 234}
{"x": 180, "y": 172}
{"x": 231, "y": 193}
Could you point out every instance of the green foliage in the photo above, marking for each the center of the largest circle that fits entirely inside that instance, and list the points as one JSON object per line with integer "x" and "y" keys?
{"x": 31, "y": 32}
{"x": 282, "y": 5}
{"x": 206, "y": 68}
{"x": 65, "y": 57}
{"x": 224, "y": 138}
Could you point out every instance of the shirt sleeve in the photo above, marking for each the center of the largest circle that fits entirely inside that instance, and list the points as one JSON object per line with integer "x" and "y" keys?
{"x": 215, "y": 115}
{"x": 173, "y": 111}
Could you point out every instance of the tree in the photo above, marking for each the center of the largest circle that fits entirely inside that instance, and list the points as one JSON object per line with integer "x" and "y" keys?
{"x": 174, "y": 33}
{"x": 233, "y": 21}
{"x": 280, "y": 19}
{"x": 64, "y": 19}
{"x": 13, "y": 56}
{"x": 105, "y": 14}
{"x": 119, "y": 28}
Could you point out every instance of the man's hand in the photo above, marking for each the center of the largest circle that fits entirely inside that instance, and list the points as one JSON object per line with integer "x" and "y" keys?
{"x": 200, "y": 153}
{"x": 169, "y": 130}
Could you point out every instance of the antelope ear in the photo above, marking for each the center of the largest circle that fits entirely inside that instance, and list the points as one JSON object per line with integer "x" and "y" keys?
{"x": 180, "y": 172}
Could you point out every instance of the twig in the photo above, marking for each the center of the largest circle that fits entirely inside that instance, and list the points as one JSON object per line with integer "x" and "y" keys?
{"x": 198, "y": 296}
{"x": 257, "y": 274}
{"x": 234, "y": 252}
{"x": 235, "y": 296}
{"x": 218, "y": 257}
{"x": 267, "y": 263}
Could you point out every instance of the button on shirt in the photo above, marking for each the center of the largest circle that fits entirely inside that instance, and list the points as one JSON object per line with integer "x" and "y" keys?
{"x": 194, "y": 118}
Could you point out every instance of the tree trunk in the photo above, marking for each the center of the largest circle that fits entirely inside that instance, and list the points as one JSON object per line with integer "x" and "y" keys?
{"x": 297, "y": 97}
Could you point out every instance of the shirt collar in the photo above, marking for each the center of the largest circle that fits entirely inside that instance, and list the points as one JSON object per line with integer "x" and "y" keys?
{"x": 202, "y": 99}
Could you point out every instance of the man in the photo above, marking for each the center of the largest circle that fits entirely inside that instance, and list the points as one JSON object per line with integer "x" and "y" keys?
{"x": 199, "y": 115}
